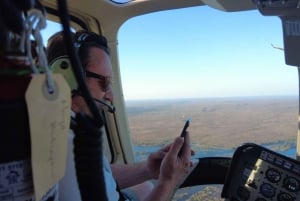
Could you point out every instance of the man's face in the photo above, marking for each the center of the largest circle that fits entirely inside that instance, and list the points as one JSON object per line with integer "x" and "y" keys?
{"x": 100, "y": 65}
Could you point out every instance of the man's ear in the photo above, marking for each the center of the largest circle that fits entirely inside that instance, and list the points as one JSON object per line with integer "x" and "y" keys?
{"x": 62, "y": 65}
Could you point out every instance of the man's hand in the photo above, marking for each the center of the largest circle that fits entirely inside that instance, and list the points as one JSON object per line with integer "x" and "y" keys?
{"x": 177, "y": 161}
{"x": 155, "y": 159}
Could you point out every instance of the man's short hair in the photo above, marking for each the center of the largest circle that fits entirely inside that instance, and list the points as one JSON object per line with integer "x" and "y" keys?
{"x": 83, "y": 40}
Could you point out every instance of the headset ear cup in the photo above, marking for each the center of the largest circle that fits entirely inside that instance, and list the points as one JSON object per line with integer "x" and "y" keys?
{"x": 63, "y": 66}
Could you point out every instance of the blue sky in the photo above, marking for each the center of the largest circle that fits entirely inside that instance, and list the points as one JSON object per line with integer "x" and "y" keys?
{"x": 203, "y": 52}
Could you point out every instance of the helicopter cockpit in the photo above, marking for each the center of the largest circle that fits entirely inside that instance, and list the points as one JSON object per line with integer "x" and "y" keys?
{"x": 254, "y": 172}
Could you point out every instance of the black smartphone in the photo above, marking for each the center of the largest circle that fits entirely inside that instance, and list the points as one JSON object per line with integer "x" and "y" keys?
{"x": 186, "y": 125}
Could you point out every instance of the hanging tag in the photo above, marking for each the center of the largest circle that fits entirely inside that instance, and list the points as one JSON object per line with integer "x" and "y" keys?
{"x": 49, "y": 120}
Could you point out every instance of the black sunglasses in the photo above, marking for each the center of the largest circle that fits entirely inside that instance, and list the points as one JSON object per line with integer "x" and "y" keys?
{"x": 104, "y": 80}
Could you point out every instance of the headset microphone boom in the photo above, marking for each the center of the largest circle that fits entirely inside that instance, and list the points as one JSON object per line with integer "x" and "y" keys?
{"x": 110, "y": 108}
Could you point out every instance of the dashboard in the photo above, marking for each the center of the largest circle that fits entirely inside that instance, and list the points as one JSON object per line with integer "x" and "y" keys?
{"x": 259, "y": 174}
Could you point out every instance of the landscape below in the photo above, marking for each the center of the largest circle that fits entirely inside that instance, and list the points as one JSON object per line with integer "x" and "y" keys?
{"x": 218, "y": 126}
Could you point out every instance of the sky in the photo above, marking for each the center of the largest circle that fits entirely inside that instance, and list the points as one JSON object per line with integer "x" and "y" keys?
{"x": 202, "y": 52}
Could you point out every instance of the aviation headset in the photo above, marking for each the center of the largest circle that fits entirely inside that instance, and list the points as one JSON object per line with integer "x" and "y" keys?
{"x": 61, "y": 64}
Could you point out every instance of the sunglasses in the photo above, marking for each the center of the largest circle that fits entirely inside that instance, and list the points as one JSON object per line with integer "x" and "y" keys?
{"x": 105, "y": 82}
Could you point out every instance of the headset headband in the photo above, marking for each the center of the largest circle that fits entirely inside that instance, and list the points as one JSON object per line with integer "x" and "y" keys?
{"x": 62, "y": 64}
{"x": 90, "y": 38}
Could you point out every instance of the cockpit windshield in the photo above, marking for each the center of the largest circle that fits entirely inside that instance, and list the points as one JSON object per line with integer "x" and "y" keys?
{"x": 225, "y": 71}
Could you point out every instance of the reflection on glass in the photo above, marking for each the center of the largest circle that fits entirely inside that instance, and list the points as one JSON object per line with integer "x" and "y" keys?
{"x": 121, "y": 1}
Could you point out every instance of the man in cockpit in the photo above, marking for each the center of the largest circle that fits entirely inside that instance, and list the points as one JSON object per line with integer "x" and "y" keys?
{"x": 168, "y": 166}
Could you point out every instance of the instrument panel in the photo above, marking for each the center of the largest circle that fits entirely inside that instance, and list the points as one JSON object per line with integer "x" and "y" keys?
{"x": 259, "y": 174}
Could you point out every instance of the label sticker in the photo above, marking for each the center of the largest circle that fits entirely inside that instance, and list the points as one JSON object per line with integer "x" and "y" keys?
{"x": 16, "y": 181}
{"x": 49, "y": 120}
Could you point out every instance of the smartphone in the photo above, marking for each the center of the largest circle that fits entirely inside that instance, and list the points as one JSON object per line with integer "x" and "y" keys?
{"x": 186, "y": 125}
